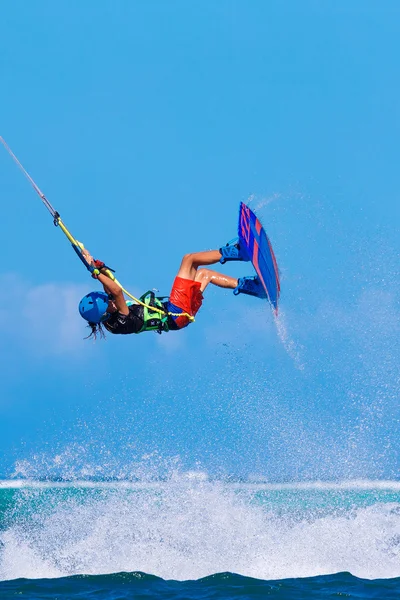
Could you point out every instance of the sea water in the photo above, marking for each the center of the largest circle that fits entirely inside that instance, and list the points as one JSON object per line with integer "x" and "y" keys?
{"x": 189, "y": 537}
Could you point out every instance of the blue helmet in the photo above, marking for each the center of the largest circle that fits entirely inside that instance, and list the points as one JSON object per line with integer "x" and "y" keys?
{"x": 93, "y": 307}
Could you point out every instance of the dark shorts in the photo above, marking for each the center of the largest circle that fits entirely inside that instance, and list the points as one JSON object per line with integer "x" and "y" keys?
{"x": 185, "y": 297}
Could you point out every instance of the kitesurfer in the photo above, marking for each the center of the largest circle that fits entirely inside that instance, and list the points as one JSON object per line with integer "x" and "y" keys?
{"x": 110, "y": 310}
{"x": 151, "y": 313}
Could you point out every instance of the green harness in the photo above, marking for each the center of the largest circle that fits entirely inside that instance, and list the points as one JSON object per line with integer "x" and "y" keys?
{"x": 154, "y": 320}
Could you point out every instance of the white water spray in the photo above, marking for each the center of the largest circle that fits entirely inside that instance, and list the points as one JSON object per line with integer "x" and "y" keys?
{"x": 187, "y": 529}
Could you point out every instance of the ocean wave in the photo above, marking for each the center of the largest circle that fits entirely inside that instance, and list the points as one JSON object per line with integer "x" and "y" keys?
{"x": 188, "y": 529}
{"x": 220, "y": 585}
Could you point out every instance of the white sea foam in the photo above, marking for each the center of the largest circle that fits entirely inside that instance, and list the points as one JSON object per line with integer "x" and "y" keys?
{"x": 187, "y": 528}
{"x": 351, "y": 484}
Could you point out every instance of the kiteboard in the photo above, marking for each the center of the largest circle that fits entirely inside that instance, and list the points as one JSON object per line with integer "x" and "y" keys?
{"x": 255, "y": 244}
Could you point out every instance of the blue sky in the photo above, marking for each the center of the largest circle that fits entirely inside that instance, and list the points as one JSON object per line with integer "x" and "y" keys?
{"x": 145, "y": 124}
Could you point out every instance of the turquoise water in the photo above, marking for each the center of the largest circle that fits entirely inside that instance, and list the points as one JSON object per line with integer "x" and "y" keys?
{"x": 190, "y": 538}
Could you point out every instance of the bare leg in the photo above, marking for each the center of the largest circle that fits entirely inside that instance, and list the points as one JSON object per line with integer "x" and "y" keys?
{"x": 191, "y": 262}
{"x": 189, "y": 269}
{"x": 206, "y": 276}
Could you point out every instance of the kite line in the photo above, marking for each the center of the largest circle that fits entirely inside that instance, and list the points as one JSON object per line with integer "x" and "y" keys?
{"x": 78, "y": 246}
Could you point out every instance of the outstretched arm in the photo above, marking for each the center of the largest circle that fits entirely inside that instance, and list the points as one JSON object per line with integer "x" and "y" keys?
{"x": 110, "y": 286}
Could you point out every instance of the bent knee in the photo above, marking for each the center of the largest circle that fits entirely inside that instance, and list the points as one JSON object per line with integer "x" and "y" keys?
{"x": 189, "y": 259}
{"x": 190, "y": 263}
{"x": 203, "y": 275}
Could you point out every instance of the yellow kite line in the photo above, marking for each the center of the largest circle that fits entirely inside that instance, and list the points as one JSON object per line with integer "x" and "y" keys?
{"x": 78, "y": 246}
